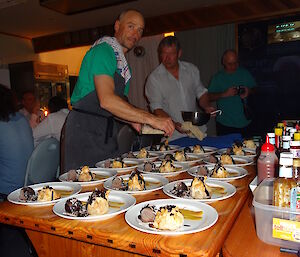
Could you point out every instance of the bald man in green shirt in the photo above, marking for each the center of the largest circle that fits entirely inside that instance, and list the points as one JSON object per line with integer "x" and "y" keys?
{"x": 98, "y": 98}
{"x": 229, "y": 88}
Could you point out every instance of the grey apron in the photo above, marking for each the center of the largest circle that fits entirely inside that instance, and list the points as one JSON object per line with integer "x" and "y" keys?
{"x": 90, "y": 133}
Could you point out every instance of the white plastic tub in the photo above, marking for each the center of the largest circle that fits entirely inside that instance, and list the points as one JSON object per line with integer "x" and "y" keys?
{"x": 265, "y": 212}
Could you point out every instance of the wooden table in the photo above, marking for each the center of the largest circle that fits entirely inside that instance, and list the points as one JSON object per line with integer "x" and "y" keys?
{"x": 242, "y": 240}
{"x": 55, "y": 236}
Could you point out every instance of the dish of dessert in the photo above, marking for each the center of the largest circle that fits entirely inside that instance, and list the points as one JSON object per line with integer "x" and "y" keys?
{"x": 136, "y": 183}
{"x": 218, "y": 172}
{"x": 142, "y": 155}
{"x": 199, "y": 150}
{"x": 44, "y": 193}
{"x": 228, "y": 160}
{"x": 97, "y": 205}
{"x": 162, "y": 148}
{"x": 171, "y": 216}
{"x": 248, "y": 152}
{"x": 164, "y": 168}
{"x": 183, "y": 158}
{"x": 118, "y": 164}
{"x": 87, "y": 176}
{"x": 200, "y": 189}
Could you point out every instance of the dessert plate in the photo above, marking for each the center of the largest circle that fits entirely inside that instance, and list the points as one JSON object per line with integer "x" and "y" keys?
{"x": 65, "y": 188}
{"x": 234, "y": 172}
{"x": 151, "y": 158}
{"x": 207, "y": 150}
{"x": 179, "y": 169}
{"x": 239, "y": 161}
{"x": 197, "y": 216}
{"x": 220, "y": 190}
{"x": 249, "y": 152}
{"x": 173, "y": 148}
{"x": 101, "y": 176}
{"x": 153, "y": 182}
{"x": 191, "y": 159}
{"x": 131, "y": 165}
{"x": 118, "y": 203}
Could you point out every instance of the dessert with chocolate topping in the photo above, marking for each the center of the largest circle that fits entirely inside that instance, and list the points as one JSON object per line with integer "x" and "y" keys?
{"x": 119, "y": 184}
{"x": 226, "y": 159}
{"x": 147, "y": 214}
{"x": 168, "y": 218}
{"x": 97, "y": 203}
{"x": 199, "y": 189}
{"x": 180, "y": 156}
{"x": 47, "y": 193}
{"x": 150, "y": 166}
{"x": 181, "y": 190}
{"x": 85, "y": 175}
{"x": 27, "y": 194}
{"x": 198, "y": 149}
{"x": 76, "y": 208}
{"x": 219, "y": 171}
{"x": 167, "y": 166}
{"x": 136, "y": 182}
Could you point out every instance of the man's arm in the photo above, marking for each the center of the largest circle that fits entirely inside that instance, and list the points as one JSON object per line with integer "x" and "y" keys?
{"x": 232, "y": 91}
{"x": 109, "y": 101}
{"x": 204, "y": 102}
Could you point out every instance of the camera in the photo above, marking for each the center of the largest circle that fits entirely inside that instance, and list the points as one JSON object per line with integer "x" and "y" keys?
{"x": 240, "y": 90}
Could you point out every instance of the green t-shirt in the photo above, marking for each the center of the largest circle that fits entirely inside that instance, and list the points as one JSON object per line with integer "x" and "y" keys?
{"x": 232, "y": 107}
{"x": 99, "y": 60}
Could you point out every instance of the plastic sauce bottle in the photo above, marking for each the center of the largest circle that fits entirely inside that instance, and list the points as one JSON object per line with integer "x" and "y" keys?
{"x": 267, "y": 161}
{"x": 285, "y": 186}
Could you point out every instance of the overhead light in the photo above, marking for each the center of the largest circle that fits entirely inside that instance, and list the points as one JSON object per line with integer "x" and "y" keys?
{"x": 169, "y": 34}
{"x": 9, "y": 3}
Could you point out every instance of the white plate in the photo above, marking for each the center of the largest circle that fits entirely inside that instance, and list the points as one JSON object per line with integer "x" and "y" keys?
{"x": 106, "y": 174}
{"x": 181, "y": 168}
{"x": 192, "y": 159}
{"x": 243, "y": 161}
{"x": 133, "y": 165}
{"x": 249, "y": 152}
{"x": 208, "y": 150}
{"x": 209, "y": 217}
{"x": 128, "y": 200}
{"x": 156, "y": 182}
{"x": 235, "y": 172}
{"x": 173, "y": 148}
{"x": 228, "y": 188}
{"x": 13, "y": 197}
{"x": 151, "y": 158}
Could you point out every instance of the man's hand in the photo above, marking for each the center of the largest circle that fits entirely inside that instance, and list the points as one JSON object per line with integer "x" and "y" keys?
{"x": 136, "y": 126}
{"x": 163, "y": 123}
{"x": 232, "y": 91}
{"x": 178, "y": 127}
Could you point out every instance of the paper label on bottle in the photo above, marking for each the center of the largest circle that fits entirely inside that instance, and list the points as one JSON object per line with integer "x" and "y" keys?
{"x": 286, "y": 230}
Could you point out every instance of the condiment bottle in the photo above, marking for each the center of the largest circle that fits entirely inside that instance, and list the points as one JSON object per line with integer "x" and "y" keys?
{"x": 267, "y": 161}
{"x": 286, "y": 143}
{"x": 296, "y": 176}
{"x": 295, "y": 149}
{"x": 285, "y": 183}
{"x": 278, "y": 137}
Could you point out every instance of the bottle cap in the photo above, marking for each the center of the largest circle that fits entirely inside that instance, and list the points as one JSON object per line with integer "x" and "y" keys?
{"x": 267, "y": 147}
{"x": 297, "y": 136}
{"x": 280, "y": 124}
{"x": 278, "y": 131}
{"x": 271, "y": 134}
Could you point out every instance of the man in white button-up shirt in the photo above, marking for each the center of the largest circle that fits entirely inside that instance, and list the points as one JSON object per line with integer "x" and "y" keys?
{"x": 175, "y": 86}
